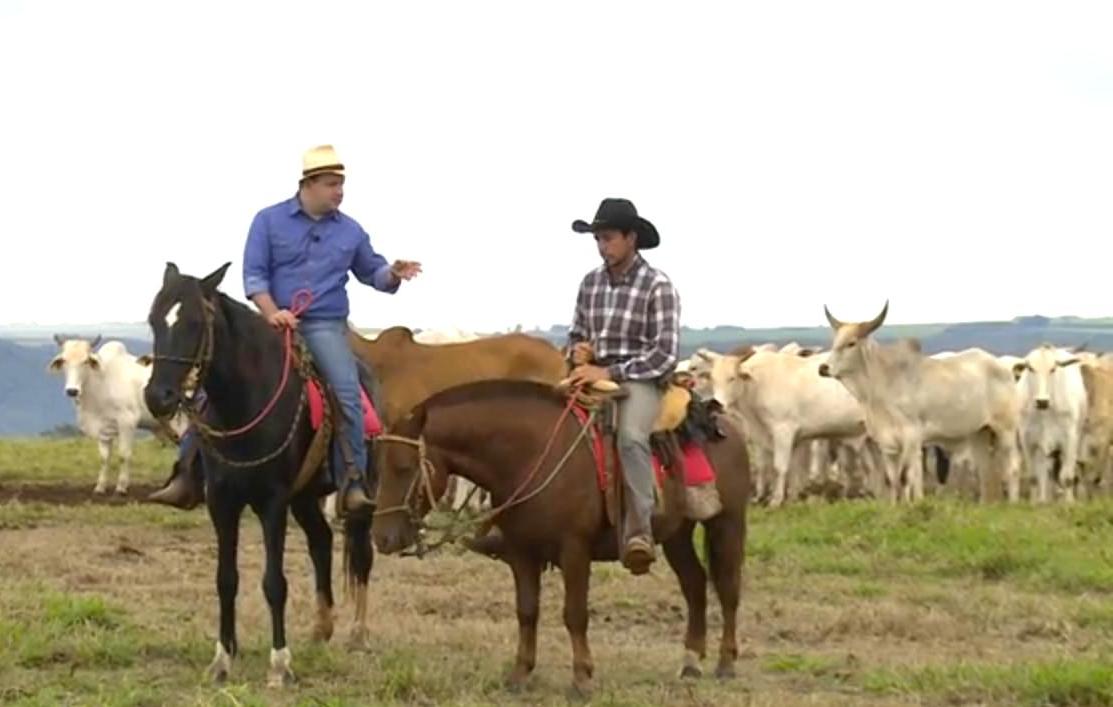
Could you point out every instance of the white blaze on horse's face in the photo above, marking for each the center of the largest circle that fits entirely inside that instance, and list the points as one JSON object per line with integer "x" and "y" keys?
{"x": 75, "y": 361}
{"x": 172, "y": 315}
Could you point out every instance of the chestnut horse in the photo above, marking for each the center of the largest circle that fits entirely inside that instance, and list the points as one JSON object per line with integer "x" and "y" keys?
{"x": 493, "y": 434}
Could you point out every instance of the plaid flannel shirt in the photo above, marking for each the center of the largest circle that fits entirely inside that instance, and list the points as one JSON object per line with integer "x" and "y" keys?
{"x": 632, "y": 323}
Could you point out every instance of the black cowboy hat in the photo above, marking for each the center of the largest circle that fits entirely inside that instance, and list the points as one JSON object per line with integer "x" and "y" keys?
{"x": 620, "y": 214}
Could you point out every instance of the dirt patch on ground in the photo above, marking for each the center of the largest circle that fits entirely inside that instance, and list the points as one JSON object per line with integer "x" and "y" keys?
{"x": 71, "y": 494}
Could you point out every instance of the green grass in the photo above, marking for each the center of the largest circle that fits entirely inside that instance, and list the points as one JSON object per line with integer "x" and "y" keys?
{"x": 77, "y": 460}
{"x": 1064, "y": 549}
{"x": 1062, "y": 682}
{"x": 14, "y": 514}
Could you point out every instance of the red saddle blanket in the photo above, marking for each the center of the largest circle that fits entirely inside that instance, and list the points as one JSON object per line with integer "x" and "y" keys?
{"x": 697, "y": 467}
{"x": 372, "y": 426}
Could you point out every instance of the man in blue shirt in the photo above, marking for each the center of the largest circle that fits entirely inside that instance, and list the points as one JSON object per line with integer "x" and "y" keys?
{"x": 306, "y": 243}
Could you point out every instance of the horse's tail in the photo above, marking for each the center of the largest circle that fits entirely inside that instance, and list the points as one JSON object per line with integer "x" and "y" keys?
{"x": 357, "y": 553}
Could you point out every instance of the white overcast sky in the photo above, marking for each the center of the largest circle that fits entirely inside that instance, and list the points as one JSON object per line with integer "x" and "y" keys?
{"x": 954, "y": 157}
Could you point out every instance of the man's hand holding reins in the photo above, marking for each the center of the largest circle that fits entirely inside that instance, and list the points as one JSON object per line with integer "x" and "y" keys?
{"x": 283, "y": 319}
{"x": 588, "y": 374}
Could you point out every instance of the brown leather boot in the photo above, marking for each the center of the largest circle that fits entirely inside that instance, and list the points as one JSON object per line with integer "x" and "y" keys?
{"x": 355, "y": 499}
{"x": 492, "y": 544}
{"x": 182, "y": 491}
{"x": 638, "y": 551}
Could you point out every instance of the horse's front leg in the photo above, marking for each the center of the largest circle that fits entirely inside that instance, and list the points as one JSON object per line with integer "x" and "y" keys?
{"x": 225, "y": 517}
{"x": 273, "y": 518}
{"x": 575, "y": 565}
{"x": 318, "y": 536}
{"x": 527, "y": 588}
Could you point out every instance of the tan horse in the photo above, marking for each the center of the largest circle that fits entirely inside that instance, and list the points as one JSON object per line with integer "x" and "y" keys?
{"x": 493, "y": 433}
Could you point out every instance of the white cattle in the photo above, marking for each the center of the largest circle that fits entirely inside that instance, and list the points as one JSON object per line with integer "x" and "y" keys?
{"x": 968, "y": 398}
{"x": 1097, "y": 376}
{"x": 1053, "y": 412}
{"x": 107, "y": 391}
{"x": 783, "y": 400}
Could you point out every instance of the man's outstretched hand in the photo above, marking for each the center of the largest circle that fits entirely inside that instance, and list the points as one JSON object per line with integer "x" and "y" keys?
{"x": 405, "y": 269}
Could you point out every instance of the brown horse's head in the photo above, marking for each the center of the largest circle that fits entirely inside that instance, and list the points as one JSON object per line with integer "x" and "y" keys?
{"x": 409, "y": 484}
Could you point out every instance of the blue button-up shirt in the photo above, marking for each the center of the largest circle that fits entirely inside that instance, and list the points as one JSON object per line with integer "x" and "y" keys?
{"x": 287, "y": 251}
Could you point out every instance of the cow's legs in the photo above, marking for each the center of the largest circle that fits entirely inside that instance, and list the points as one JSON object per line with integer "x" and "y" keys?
{"x": 124, "y": 445}
{"x": 783, "y": 440}
{"x": 1040, "y": 465}
{"x": 104, "y": 447}
{"x": 1068, "y": 475}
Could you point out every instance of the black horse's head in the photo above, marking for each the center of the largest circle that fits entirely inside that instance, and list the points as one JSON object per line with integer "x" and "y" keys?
{"x": 181, "y": 324}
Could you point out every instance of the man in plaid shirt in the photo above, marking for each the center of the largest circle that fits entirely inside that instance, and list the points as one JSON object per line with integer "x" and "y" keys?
{"x": 627, "y": 329}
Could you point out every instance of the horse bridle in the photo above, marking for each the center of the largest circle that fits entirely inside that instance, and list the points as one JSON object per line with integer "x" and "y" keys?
{"x": 199, "y": 365}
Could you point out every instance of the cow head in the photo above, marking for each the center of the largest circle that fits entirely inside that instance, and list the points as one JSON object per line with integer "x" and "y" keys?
{"x": 76, "y": 361}
{"x": 699, "y": 368}
{"x": 178, "y": 322}
{"x": 1037, "y": 371}
{"x": 846, "y": 347}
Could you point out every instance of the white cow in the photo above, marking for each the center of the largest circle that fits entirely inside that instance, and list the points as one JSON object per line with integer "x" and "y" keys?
{"x": 107, "y": 392}
{"x": 910, "y": 399}
{"x": 783, "y": 400}
{"x": 1053, "y": 413}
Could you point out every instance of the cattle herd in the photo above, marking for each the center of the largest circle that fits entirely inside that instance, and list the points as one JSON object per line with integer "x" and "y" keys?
{"x": 864, "y": 417}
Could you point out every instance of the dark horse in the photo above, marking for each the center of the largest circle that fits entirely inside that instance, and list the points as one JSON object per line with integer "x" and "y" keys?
{"x": 492, "y": 433}
{"x": 238, "y": 359}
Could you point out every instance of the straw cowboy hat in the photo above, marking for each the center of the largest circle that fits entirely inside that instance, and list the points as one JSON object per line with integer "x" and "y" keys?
{"x": 321, "y": 160}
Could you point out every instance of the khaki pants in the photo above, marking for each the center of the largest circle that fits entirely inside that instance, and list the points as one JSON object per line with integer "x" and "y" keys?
{"x": 636, "y": 414}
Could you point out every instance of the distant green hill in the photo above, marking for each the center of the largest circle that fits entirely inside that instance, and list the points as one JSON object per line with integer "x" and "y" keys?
{"x": 32, "y": 402}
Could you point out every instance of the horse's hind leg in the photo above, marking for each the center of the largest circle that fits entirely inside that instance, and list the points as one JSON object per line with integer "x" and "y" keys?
{"x": 527, "y": 590}
{"x": 575, "y": 566}
{"x": 359, "y": 556}
{"x": 273, "y": 517}
{"x": 681, "y": 556}
{"x": 318, "y": 536}
{"x": 225, "y": 516}
{"x": 726, "y": 534}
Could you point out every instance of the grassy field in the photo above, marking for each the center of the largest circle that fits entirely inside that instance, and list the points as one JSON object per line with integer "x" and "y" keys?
{"x": 844, "y": 604}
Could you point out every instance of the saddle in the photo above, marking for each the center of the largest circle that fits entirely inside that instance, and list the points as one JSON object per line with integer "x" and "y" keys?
{"x": 685, "y": 478}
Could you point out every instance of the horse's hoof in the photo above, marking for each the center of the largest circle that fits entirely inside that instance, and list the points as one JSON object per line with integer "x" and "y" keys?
{"x": 280, "y": 674}
{"x": 221, "y": 666}
{"x": 516, "y": 681}
{"x": 580, "y": 691}
{"x": 322, "y": 633}
{"x": 359, "y": 637}
{"x": 281, "y": 679}
{"x": 725, "y": 671}
{"x": 691, "y": 672}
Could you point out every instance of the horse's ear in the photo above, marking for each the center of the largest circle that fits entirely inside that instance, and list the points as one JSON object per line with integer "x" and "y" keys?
{"x": 170, "y": 273}
{"x": 212, "y": 281}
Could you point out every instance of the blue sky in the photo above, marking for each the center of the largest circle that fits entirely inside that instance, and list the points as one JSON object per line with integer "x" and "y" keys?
{"x": 953, "y": 157}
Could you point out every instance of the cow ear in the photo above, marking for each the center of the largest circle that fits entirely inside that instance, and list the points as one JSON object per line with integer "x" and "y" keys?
{"x": 55, "y": 364}
{"x": 210, "y": 282}
{"x": 94, "y": 362}
{"x": 145, "y": 359}
{"x": 170, "y": 274}
{"x": 1068, "y": 362}
{"x": 1019, "y": 368}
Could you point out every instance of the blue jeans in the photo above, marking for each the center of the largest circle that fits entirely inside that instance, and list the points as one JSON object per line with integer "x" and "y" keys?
{"x": 327, "y": 340}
